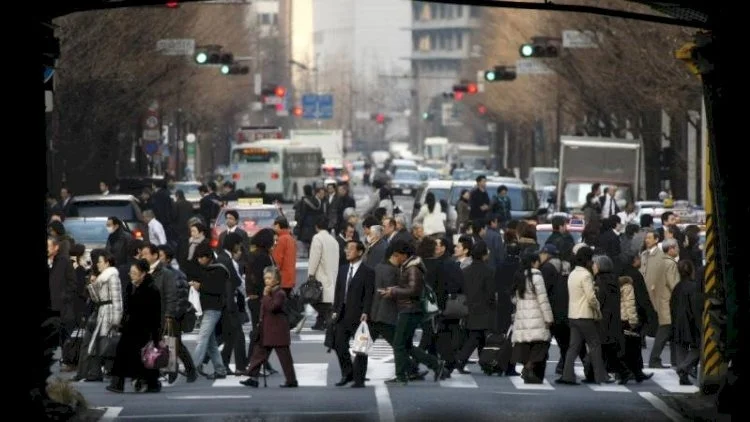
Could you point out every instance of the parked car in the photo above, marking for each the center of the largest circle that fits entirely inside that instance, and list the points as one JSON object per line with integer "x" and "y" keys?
{"x": 124, "y": 207}
{"x": 544, "y": 231}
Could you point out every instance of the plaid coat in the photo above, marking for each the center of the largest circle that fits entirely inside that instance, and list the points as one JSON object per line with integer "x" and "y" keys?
{"x": 106, "y": 287}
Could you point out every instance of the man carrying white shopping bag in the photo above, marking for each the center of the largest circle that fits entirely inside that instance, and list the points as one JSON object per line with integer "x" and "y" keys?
{"x": 352, "y": 301}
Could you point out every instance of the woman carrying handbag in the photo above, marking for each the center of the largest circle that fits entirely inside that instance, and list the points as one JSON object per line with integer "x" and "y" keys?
{"x": 100, "y": 341}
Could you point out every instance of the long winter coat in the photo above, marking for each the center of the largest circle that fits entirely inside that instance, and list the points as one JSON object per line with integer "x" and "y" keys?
{"x": 533, "y": 311}
{"x": 686, "y": 305}
{"x": 479, "y": 288}
{"x": 141, "y": 323}
{"x": 323, "y": 263}
{"x": 628, "y": 310}
{"x": 106, "y": 288}
{"x": 273, "y": 320}
{"x": 608, "y": 294}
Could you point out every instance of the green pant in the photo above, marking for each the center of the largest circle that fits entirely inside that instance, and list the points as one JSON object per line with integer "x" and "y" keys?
{"x": 403, "y": 344}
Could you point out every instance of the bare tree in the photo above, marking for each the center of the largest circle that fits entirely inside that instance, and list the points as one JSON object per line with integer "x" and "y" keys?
{"x": 109, "y": 72}
{"x": 609, "y": 90}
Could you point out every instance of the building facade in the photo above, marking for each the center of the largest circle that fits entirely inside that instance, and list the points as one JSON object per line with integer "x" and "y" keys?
{"x": 444, "y": 42}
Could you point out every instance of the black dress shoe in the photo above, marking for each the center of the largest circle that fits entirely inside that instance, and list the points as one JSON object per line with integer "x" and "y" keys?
{"x": 643, "y": 377}
{"x": 250, "y": 382}
{"x": 294, "y": 384}
{"x": 439, "y": 370}
{"x": 343, "y": 381}
{"x": 358, "y": 385}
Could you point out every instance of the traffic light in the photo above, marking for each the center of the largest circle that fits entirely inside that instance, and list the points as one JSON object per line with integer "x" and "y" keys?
{"x": 297, "y": 111}
{"x": 173, "y": 4}
{"x": 380, "y": 118}
{"x": 500, "y": 73}
{"x": 273, "y": 91}
{"x": 234, "y": 69}
{"x": 698, "y": 55}
{"x": 481, "y": 109}
{"x": 213, "y": 56}
{"x": 427, "y": 116}
{"x": 539, "y": 49}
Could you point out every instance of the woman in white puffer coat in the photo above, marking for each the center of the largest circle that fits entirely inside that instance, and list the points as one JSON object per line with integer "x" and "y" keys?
{"x": 532, "y": 319}
{"x": 432, "y": 216}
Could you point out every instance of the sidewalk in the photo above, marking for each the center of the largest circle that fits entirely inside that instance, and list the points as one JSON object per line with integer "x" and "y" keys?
{"x": 694, "y": 407}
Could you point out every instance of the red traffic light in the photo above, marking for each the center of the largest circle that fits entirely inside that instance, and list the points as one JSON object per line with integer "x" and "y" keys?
{"x": 472, "y": 88}
{"x": 297, "y": 111}
{"x": 173, "y": 4}
{"x": 458, "y": 95}
{"x": 380, "y": 118}
{"x": 280, "y": 91}
{"x": 482, "y": 109}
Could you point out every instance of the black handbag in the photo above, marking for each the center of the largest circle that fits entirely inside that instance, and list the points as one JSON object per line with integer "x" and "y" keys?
{"x": 311, "y": 291}
{"x": 107, "y": 345}
{"x": 294, "y": 309}
{"x": 455, "y": 307}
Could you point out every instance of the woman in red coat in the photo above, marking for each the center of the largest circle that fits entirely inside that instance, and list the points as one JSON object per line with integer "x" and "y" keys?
{"x": 273, "y": 333}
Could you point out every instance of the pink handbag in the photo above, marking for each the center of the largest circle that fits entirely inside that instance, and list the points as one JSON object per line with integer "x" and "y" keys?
{"x": 155, "y": 357}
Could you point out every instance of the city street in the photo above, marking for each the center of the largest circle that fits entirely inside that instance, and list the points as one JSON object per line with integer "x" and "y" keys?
{"x": 317, "y": 371}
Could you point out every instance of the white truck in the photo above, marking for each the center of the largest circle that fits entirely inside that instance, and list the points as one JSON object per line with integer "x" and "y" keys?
{"x": 331, "y": 143}
{"x": 608, "y": 161}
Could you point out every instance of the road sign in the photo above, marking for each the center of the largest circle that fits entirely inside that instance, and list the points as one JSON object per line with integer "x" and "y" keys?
{"x": 150, "y": 147}
{"x": 151, "y": 135}
{"x": 532, "y": 67}
{"x": 317, "y": 106}
{"x": 580, "y": 39}
{"x": 449, "y": 114}
{"x": 152, "y": 122}
{"x": 325, "y": 106}
{"x": 176, "y": 47}
{"x": 48, "y": 72}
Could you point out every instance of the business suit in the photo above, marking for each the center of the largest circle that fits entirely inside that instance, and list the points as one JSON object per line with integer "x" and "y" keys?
{"x": 231, "y": 322}
{"x": 349, "y": 304}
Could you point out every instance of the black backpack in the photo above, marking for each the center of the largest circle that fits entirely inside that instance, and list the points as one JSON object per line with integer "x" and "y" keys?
{"x": 294, "y": 309}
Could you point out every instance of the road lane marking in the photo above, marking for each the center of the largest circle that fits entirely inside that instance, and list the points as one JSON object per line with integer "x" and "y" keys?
{"x": 662, "y": 407}
{"x": 383, "y": 399}
{"x": 246, "y": 396}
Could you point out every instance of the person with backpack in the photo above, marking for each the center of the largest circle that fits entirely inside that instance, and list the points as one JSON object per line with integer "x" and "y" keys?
{"x": 184, "y": 314}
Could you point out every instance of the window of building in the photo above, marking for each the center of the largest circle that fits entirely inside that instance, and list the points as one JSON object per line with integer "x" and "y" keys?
{"x": 433, "y": 42}
{"x": 433, "y": 11}
{"x": 474, "y": 11}
{"x": 459, "y": 11}
{"x": 424, "y": 43}
{"x": 275, "y": 18}
{"x": 443, "y": 42}
{"x": 449, "y": 8}
{"x": 264, "y": 19}
{"x": 459, "y": 40}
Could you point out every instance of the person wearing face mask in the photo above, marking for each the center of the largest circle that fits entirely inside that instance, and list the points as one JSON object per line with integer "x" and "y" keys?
{"x": 118, "y": 240}
{"x": 105, "y": 291}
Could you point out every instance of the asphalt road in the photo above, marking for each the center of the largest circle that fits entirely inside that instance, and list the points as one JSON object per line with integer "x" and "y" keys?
{"x": 475, "y": 396}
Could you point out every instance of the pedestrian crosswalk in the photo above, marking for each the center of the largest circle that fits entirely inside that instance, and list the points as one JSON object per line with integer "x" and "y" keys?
{"x": 325, "y": 374}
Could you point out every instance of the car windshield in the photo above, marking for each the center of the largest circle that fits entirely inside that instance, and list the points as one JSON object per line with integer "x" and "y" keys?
{"x": 122, "y": 209}
{"x": 251, "y": 218}
{"x": 440, "y": 194}
{"x": 543, "y": 235}
{"x": 87, "y": 232}
{"x": 189, "y": 189}
{"x": 521, "y": 199}
{"x": 406, "y": 175}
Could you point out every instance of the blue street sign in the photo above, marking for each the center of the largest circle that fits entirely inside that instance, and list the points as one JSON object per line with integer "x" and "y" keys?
{"x": 309, "y": 106}
{"x": 325, "y": 106}
{"x": 150, "y": 147}
{"x": 317, "y": 106}
{"x": 48, "y": 72}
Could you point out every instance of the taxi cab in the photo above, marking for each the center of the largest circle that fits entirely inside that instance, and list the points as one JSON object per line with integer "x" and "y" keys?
{"x": 254, "y": 216}
{"x": 544, "y": 231}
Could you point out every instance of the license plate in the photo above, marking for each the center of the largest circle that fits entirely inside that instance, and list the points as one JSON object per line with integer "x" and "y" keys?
{"x": 406, "y": 191}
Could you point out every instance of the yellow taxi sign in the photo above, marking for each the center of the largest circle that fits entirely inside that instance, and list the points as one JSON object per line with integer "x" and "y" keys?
{"x": 250, "y": 201}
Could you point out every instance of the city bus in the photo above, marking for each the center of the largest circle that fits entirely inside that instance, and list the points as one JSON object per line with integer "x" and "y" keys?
{"x": 285, "y": 167}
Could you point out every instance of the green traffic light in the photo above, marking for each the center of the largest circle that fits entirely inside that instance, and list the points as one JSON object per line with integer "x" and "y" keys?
{"x": 527, "y": 50}
{"x": 490, "y": 75}
{"x": 201, "y": 58}
{"x": 225, "y": 70}
{"x": 425, "y": 116}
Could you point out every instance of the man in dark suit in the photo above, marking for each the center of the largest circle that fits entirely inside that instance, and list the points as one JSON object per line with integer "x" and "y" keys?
{"x": 231, "y": 317}
{"x": 352, "y": 301}
{"x": 232, "y": 220}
